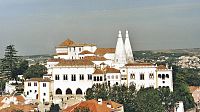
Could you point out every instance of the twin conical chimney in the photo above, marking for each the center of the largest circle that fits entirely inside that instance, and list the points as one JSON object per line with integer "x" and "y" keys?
{"x": 128, "y": 49}
{"x": 120, "y": 54}
{"x": 123, "y": 52}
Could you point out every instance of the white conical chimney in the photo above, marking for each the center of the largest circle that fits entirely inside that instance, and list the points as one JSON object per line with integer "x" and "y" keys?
{"x": 120, "y": 54}
{"x": 128, "y": 49}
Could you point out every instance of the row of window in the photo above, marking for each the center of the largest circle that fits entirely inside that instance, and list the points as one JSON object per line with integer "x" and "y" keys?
{"x": 163, "y": 76}
{"x": 74, "y": 48}
{"x": 98, "y": 78}
{"x": 73, "y": 77}
{"x": 35, "y": 84}
{"x": 112, "y": 77}
{"x": 151, "y": 76}
{"x": 35, "y": 92}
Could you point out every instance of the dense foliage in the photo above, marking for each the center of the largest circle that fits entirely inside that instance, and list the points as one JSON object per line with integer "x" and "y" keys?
{"x": 35, "y": 71}
{"x": 9, "y": 62}
{"x": 145, "y": 100}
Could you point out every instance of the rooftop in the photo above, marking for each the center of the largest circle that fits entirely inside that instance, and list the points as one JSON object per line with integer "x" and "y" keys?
{"x": 93, "y": 106}
{"x": 70, "y": 43}
{"x": 86, "y": 52}
{"x": 95, "y": 58}
{"x": 39, "y": 80}
{"x": 103, "y": 51}
{"x": 76, "y": 62}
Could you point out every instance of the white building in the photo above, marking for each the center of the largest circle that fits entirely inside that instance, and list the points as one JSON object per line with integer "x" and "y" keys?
{"x": 76, "y": 67}
{"x": 38, "y": 89}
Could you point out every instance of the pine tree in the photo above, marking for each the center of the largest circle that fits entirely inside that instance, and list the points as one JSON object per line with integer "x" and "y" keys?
{"x": 9, "y": 62}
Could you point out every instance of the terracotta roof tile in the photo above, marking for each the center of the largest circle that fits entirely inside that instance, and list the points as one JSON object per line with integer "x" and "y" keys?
{"x": 78, "y": 62}
{"x": 91, "y": 104}
{"x": 112, "y": 70}
{"x": 67, "y": 42}
{"x": 139, "y": 64}
{"x": 86, "y": 52}
{"x": 13, "y": 108}
{"x": 98, "y": 71}
{"x": 54, "y": 60}
{"x": 20, "y": 98}
{"x": 161, "y": 67}
{"x": 102, "y": 51}
{"x": 70, "y": 43}
{"x": 39, "y": 80}
{"x": 114, "y": 105}
{"x": 95, "y": 58}
{"x": 193, "y": 88}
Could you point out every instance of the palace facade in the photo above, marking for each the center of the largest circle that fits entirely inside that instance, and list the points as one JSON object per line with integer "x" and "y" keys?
{"x": 77, "y": 66}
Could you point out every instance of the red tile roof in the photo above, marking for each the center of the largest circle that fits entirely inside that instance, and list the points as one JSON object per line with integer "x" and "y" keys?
{"x": 193, "y": 88}
{"x": 86, "y": 52}
{"x": 77, "y": 62}
{"x": 70, "y": 43}
{"x": 93, "y": 106}
{"x": 54, "y": 60}
{"x": 20, "y": 98}
{"x": 98, "y": 71}
{"x": 95, "y": 58}
{"x": 139, "y": 64}
{"x": 103, "y": 51}
{"x": 161, "y": 67}
{"x": 112, "y": 70}
{"x": 13, "y": 108}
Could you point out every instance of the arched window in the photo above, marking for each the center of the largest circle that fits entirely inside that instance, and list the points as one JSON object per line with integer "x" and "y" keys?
{"x": 58, "y": 91}
{"x": 68, "y": 91}
{"x": 79, "y": 91}
{"x": 132, "y": 76}
{"x": 151, "y": 76}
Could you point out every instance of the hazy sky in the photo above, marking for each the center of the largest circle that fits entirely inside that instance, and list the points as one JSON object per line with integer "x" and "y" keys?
{"x": 37, "y": 26}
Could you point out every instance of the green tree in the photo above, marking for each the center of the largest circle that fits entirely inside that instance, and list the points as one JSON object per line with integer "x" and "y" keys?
{"x": 35, "y": 71}
{"x": 54, "y": 108}
{"x": 167, "y": 98}
{"x": 148, "y": 100}
{"x": 10, "y": 62}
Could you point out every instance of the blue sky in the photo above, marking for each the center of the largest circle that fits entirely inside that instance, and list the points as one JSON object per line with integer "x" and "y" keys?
{"x": 37, "y": 26}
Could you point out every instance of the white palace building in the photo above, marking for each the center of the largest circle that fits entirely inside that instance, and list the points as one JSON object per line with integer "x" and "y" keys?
{"x": 77, "y": 66}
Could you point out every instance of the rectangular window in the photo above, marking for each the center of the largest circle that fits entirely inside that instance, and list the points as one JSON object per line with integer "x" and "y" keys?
{"x": 81, "y": 76}
{"x": 80, "y": 49}
{"x": 57, "y": 77}
{"x": 29, "y": 84}
{"x": 65, "y": 77}
{"x": 141, "y": 76}
{"x": 35, "y": 83}
{"x": 89, "y": 76}
{"x": 95, "y": 79}
{"x": 73, "y": 77}
{"x": 44, "y": 85}
{"x": 101, "y": 78}
{"x": 44, "y": 94}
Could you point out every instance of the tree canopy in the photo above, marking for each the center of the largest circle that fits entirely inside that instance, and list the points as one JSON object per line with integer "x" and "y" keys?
{"x": 35, "y": 71}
